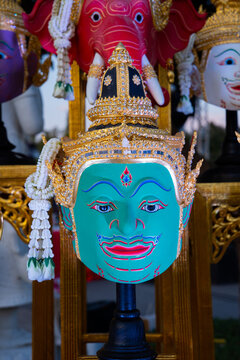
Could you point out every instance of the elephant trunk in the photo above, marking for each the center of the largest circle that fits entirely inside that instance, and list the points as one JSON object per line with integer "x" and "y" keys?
{"x": 128, "y": 36}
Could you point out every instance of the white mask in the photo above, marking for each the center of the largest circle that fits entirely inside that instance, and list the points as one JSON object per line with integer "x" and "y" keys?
{"x": 221, "y": 77}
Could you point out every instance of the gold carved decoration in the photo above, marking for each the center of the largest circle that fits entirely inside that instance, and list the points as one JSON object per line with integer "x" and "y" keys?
{"x": 226, "y": 228}
{"x": 14, "y": 209}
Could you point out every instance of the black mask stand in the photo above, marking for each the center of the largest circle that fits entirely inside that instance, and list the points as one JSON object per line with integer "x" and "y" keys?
{"x": 127, "y": 334}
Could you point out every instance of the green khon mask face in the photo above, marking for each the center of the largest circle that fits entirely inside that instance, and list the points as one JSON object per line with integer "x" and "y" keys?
{"x": 126, "y": 220}
{"x": 124, "y": 187}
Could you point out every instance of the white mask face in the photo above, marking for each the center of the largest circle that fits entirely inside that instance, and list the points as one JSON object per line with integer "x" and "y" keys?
{"x": 222, "y": 76}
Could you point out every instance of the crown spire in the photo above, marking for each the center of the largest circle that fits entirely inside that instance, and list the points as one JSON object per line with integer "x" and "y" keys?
{"x": 120, "y": 56}
{"x": 122, "y": 95}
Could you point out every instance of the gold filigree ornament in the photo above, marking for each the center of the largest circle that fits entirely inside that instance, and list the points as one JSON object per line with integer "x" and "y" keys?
{"x": 14, "y": 209}
{"x": 148, "y": 72}
{"x": 136, "y": 80}
{"x": 225, "y": 229}
{"x": 160, "y": 13}
{"x": 95, "y": 71}
{"x": 220, "y": 28}
{"x": 107, "y": 80}
{"x": 11, "y": 20}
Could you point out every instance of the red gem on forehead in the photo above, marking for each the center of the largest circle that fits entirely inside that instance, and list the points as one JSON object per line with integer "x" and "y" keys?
{"x": 126, "y": 177}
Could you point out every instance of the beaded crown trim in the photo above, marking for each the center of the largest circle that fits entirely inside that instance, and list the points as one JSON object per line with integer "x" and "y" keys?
{"x": 11, "y": 17}
{"x": 222, "y": 27}
{"x": 134, "y": 146}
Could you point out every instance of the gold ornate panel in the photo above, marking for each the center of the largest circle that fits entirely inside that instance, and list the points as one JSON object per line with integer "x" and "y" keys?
{"x": 215, "y": 223}
{"x": 225, "y": 228}
{"x": 222, "y": 215}
{"x": 13, "y": 199}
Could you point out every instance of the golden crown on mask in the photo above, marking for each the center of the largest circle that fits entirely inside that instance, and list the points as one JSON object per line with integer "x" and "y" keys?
{"x": 222, "y": 27}
{"x": 11, "y": 17}
{"x": 110, "y": 140}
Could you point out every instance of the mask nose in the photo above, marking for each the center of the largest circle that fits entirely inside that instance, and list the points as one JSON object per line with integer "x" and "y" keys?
{"x": 127, "y": 223}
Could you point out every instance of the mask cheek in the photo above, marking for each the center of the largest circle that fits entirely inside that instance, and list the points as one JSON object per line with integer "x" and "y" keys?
{"x": 186, "y": 214}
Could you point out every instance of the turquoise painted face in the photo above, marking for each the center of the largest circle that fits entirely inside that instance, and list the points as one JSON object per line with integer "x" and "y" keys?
{"x": 127, "y": 220}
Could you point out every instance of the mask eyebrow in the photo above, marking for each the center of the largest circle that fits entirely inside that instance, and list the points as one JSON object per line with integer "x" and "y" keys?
{"x": 104, "y": 182}
{"x": 148, "y": 182}
{"x": 227, "y": 51}
{"x": 4, "y": 43}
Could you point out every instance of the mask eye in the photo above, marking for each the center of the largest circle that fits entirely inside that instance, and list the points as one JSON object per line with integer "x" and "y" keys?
{"x": 96, "y": 16}
{"x": 3, "y": 56}
{"x": 228, "y": 61}
{"x": 151, "y": 208}
{"x": 139, "y": 18}
{"x": 102, "y": 208}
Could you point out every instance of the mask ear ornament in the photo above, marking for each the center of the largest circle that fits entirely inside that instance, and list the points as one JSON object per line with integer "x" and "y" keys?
{"x": 124, "y": 185}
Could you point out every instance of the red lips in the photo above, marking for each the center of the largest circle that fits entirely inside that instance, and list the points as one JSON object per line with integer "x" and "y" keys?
{"x": 237, "y": 87}
{"x": 234, "y": 89}
{"x": 126, "y": 251}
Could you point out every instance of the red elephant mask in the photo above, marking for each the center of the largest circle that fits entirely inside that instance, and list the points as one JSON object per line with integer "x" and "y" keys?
{"x": 103, "y": 24}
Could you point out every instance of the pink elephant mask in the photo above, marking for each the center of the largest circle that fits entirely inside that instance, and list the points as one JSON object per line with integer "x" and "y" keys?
{"x": 103, "y": 24}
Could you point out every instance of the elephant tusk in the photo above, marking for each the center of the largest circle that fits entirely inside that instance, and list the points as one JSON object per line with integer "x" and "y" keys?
{"x": 151, "y": 81}
{"x": 94, "y": 78}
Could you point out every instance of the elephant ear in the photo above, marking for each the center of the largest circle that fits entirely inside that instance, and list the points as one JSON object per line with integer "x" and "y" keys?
{"x": 37, "y": 24}
{"x": 184, "y": 20}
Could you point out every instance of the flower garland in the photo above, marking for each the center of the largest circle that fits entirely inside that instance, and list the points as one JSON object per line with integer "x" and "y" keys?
{"x": 62, "y": 29}
{"x": 39, "y": 188}
{"x": 185, "y": 59}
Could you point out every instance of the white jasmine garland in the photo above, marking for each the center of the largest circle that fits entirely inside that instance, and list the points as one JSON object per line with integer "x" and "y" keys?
{"x": 185, "y": 59}
{"x": 62, "y": 29}
{"x": 38, "y": 187}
